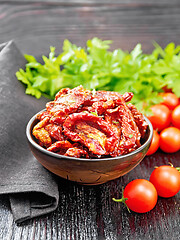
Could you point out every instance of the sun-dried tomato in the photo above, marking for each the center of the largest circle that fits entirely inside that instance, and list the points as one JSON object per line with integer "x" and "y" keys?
{"x": 130, "y": 137}
{"x": 63, "y": 91}
{"x": 113, "y": 118}
{"x": 66, "y": 104}
{"x": 57, "y": 146}
{"x": 122, "y": 118}
{"x": 90, "y": 124}
{"x": 127, "y": 96}
{"x": 91, "y": 131}
{"x": 41, "y": 134}
{"x": 43, "y": 115}
{"x": 101, "y": 107}
{"x": 55, "y": 132}
{"x": 139, "y": 119}
{"x": 108, "y": 96}
{"x": 76, "y": 152}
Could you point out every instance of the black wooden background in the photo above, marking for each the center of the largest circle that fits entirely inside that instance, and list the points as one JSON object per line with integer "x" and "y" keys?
{"x": 89, "y": 212}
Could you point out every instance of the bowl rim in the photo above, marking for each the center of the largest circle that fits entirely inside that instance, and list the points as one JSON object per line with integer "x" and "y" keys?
{"x": 52, "y": 154}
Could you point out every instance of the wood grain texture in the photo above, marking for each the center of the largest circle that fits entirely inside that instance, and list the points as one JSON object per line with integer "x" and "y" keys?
{"x": 36, "y": 26}
{"x": 93, "y": 2}
{"x": 89, "y": 212}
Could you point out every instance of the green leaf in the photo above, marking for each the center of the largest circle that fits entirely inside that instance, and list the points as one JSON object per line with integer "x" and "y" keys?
{"x": 97, "y": 67}
{"x": 30, "y": 58}
{"x": 169, "y": 49}
{"x": 52, "y": 54}
{"x": 34, "y": 92}
{"x": 98, "y": 43}
{"x": 41, "y": 83}
{"x": 115, "y": 122}
{"x": 136, "y": 52}
{"x": 173, "y": 82}
{"x": 94, "y": 113}
{"x": 21, "y": 76}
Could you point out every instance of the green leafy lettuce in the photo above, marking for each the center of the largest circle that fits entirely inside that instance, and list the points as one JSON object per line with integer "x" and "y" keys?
{"x": 96, "y": 67}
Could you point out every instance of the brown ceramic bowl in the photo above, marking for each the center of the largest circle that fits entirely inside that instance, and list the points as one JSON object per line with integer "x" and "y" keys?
{"x": 88, "y": 171}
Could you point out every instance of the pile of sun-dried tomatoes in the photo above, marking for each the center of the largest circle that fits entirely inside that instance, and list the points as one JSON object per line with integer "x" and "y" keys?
{"x": 90, "y": 124}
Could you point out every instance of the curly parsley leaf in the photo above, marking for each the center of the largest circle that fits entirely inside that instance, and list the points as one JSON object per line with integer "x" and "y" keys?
{"x": 96, "y": 67}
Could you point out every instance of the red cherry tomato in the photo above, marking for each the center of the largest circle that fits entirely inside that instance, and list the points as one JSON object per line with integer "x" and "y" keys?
{"x": 139, "y": 195}
{"x": 154, "y": 143}
{"x": 175, "y": 117}
{"x": 170, "y": 100}
{"x": 170, "y": 140}
{"x": 166, "y": 180}
{"x": 161, "y": 116}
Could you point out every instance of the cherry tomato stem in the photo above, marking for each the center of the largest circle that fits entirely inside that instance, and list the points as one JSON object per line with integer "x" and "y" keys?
{"x": 122, "y": 200}
{"x": 139, "y": 196}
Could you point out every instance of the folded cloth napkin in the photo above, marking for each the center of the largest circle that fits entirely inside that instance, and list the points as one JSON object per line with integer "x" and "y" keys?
{"x": 33, "y": 190}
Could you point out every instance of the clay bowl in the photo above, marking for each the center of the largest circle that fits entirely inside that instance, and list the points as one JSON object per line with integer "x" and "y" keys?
{"x": 88, "y": 171}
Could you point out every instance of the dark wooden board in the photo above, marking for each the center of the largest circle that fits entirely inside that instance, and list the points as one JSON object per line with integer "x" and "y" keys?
{"x": 89, "y": 212}
{"x": 36, "y": 26}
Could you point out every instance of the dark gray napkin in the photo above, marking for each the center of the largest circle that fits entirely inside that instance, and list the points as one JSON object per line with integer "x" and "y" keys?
{"x": 33, "y": 190}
